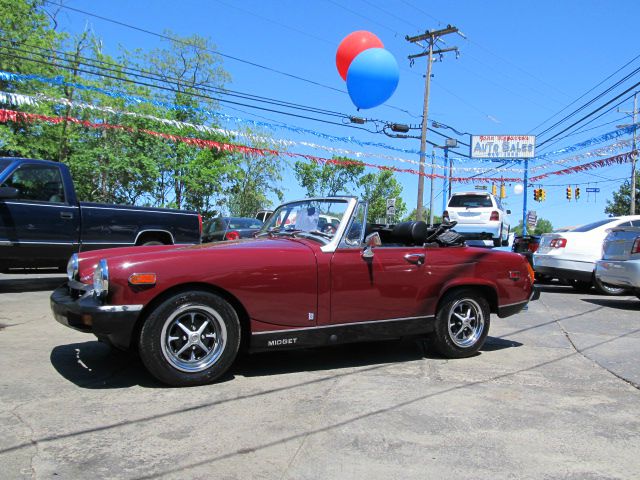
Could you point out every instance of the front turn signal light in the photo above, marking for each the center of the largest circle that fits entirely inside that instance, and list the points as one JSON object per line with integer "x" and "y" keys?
{"x": 532, "y": 274}
{"x": 142, "y": 279}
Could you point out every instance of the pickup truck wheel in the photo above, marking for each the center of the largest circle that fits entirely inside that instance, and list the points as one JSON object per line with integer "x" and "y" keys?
{"x": 462, "y": 324}
{"x": 606, "y": 289}
{"x": 152, "y": 242}
{"x": 190, "y": 339}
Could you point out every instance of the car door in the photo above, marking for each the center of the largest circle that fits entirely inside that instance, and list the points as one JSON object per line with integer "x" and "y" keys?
{"x": 39, "y": 228}
{"x": 390, "y": 285}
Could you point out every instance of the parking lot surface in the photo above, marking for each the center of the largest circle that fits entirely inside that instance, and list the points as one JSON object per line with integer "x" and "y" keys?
{"x": 553, "y": 394}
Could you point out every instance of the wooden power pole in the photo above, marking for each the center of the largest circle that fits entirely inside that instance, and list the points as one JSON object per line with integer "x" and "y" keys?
{"x": 431, "y": 37}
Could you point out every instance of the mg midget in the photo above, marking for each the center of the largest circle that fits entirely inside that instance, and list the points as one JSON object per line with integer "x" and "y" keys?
{"x": 190, "y": 310}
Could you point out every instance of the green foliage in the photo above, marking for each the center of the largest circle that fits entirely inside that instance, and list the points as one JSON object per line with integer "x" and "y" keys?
{"x": 426, "y": 214}
{"x": 620, "y": 204}
{"x": 328, "y": 179}
{"x": 255, "y": 177}
{"x": 377, "y": 188}
{"x": 543, "y": 226}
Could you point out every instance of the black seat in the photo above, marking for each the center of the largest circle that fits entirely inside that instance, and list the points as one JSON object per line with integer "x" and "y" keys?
{"x": 410, "y": 233}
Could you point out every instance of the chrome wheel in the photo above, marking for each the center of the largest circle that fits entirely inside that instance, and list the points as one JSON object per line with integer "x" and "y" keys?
{"x": 193, "y": 337}
{"x": 466, "y": 322}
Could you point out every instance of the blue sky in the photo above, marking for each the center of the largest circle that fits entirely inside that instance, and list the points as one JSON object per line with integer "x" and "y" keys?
{"x": 521, "y": 63}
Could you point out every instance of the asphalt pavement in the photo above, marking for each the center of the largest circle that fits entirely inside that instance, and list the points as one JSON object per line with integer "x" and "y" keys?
{"x": 553, "y": 394}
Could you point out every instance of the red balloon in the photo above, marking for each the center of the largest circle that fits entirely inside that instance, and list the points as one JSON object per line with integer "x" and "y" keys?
{"x": 351, "y": 46}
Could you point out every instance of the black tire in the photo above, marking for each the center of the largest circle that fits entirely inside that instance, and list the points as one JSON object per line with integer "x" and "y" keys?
{"x": 451, "y": 338}
{"x": 497, "y": 242}
{"x": 580, "y": 286}
{"x": 606, "y": 289}
{"x": 151, "y": 242}
{"x": 196, "y": 352}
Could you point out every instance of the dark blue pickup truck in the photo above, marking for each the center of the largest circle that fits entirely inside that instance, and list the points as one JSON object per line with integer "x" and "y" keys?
{"x": 42, "y": 222}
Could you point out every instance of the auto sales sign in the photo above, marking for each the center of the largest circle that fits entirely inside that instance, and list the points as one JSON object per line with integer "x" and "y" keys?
{"x": 503, "y": 146}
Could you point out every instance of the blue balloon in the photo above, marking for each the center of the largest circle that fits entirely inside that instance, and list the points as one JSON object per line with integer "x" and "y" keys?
{"x": 372, "y": 78}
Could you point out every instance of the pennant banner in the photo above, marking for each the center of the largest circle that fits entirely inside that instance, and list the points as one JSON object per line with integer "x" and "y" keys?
{"x": 18, "y": 99}
{"x": 616, "y": 160}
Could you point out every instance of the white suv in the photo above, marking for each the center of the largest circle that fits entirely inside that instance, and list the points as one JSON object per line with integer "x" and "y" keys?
{"x": 480, "y": 216}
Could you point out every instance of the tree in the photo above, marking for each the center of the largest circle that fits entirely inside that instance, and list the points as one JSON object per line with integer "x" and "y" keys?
{"x": 328, "y": 179}
{"x": 183, "y": 68}
{"x": 621, "y": 202}
{"x": 543, "y": 226}
{"x": 377, "y": 188}
{"x": 255, "y": 177}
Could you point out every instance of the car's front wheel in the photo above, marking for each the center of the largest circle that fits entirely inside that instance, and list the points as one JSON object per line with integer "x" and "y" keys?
{"x": 462, "y": 324}
{"x": 191, "y": 338}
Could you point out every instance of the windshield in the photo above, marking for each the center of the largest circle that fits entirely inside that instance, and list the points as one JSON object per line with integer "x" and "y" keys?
{"x": 470, "y": 201}
{"x": 318, "y": 218}
{"x": 4, "y": 163}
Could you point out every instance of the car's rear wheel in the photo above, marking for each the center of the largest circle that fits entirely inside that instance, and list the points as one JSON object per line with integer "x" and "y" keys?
{"x": 462, "y": 324}
{"x": 607, "y": 289}
{"x": 192, "y": 338}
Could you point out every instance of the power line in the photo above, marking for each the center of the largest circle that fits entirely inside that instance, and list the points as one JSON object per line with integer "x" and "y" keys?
{"x": 593, "y": 100}
{"x": 587, "y": 92}
{"x": 177, "y": 40}
{"x": 192, "y": 94}
{"x": 590, "y": 114}
{"x": 592, "y": 120}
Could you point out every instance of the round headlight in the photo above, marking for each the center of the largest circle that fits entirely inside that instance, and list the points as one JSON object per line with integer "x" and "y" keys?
{"x": 101, "y": 279}
{"x": 72, "y": 267}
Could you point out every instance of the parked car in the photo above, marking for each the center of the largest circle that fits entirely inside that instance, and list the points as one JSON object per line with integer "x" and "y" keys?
{"x": 620, "y": 264}
{"x": 188, "y": 310}
{"x": 229, "y": 228}
{"x": 42, "y": 222}
{"x": 571, "y": 256}
{"x": 480, "y": 216}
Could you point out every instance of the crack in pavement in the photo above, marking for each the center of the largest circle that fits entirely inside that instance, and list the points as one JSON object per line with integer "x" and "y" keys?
{"x": 575, "y": 347}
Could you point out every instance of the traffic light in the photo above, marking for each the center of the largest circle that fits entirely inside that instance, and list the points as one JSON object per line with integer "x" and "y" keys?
{"x": 503, "y": 191}
{"x": 535, "y": 194}
{"x": 543, "y": 194}
{"x": 494, "y": 189}
{"x": 568, "y": 193}
{"x": 577, "y": 192}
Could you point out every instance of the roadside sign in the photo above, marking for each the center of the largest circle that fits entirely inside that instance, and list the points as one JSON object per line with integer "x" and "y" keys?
{"x": 481, "y": 187}
{"x": 592, "y": 190}
{"x": 532, "y": 219}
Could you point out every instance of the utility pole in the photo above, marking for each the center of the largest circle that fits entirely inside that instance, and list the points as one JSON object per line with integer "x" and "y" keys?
{"x": 432, "y": 38}
{"x": 634, "y": 153}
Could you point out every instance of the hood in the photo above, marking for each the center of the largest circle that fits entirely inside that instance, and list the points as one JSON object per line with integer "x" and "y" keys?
{"x": 161, "y": 253}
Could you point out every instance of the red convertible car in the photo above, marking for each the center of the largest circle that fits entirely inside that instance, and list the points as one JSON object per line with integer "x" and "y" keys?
{"x": 189, "y": 310}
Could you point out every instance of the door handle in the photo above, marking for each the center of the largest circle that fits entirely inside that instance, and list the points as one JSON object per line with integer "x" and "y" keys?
{"x": 415, "y": 258}
{"x": 66, "y": 215}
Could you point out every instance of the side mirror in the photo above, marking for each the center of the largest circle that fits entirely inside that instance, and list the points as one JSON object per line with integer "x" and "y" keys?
{"x": 8, "y": 192}
{"x": 372, "y": 240}
{"x": 508, "y": 212}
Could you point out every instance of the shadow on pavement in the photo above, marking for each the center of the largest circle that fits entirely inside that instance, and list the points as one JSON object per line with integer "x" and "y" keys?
{"x": 36, "y": 284}
{"x": 494, "y": 343}
{"x": 95, "y": 365}
{"x": 632, "y": 304}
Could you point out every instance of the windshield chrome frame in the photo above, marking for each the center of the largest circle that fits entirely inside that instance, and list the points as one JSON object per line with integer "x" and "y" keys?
{"x": 352, "y": 203}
